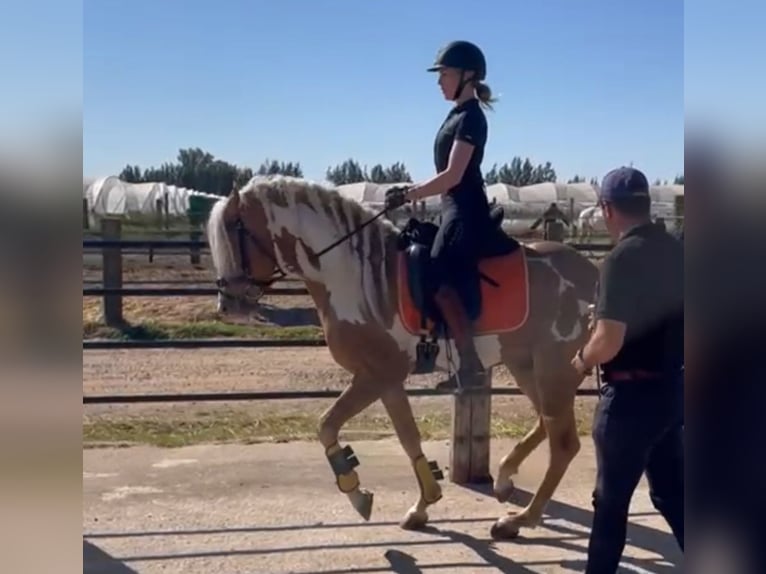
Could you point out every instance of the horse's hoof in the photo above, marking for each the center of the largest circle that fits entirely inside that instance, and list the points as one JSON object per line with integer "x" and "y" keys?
{"x": 504, "y": 528}
{"x": 414, "y": 520}
{"x": 361, "y": 500}
{"x": 504, "y": 491}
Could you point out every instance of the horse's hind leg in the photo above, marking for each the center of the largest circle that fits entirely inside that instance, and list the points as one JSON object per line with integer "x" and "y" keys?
{"x": 557, "y": 383}
{"x": 398, "y": 406}
{"x": 355, "y": 398}
{"x": 510, "y": 463}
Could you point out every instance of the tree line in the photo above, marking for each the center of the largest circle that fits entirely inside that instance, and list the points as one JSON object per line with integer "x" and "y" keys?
{"x": 197, "y": 169}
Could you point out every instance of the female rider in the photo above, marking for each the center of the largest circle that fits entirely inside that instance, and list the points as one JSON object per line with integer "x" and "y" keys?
{"x": 458, "y": 154}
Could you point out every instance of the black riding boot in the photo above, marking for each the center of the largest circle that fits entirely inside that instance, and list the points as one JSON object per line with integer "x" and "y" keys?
{"x": 471, "y": 371}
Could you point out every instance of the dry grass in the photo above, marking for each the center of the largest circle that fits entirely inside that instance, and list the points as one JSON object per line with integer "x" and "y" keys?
{"x": 166, "y": 309}
{"x": 175, "y": 428}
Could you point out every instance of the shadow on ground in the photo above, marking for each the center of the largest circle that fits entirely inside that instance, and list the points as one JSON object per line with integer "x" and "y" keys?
{"x": 96, "y": 561}
{"x": 488, "y": 553}
{"x": 292, "y": 317}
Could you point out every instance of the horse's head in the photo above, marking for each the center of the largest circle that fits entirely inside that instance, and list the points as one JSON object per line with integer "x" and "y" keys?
{"x": 243, "y": 252}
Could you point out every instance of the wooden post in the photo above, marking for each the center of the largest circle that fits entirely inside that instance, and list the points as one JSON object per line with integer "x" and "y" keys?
{"x": 194, "y": 251}
{"x": 572, "y": 225}
{"x": 111, "y": 230}
{"x": 469, "y": 449}
{"x": 158, "y": 211}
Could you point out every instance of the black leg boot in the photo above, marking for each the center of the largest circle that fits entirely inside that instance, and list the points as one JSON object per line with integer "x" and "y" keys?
{"x": 471, "y": 371}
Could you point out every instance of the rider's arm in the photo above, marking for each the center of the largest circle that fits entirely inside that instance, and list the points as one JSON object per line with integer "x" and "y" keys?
{"x": 471, "y": 131}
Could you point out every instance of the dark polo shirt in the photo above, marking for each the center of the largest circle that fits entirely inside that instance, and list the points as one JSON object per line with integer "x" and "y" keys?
{"x": 642, "y": 285}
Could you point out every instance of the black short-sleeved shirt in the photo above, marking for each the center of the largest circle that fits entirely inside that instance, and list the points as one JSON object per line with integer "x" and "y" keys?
{"x": 642, "y": 285}
{"x": 464, "y": 122}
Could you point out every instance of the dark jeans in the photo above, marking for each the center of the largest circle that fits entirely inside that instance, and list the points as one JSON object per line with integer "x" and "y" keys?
{"x": 637, "y": 428}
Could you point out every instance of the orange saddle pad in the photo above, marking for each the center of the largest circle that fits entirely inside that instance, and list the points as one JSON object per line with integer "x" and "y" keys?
{"x": 503, "y": 308}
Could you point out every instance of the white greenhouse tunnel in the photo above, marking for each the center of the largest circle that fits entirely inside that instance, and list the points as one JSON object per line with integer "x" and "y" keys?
{"x": 112, "y": 196}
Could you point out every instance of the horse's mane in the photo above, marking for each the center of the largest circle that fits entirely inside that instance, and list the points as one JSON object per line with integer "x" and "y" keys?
{"x": 294, "y": 189}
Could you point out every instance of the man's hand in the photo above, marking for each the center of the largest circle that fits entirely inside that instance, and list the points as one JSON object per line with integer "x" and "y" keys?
{"x": 579, "y": 364}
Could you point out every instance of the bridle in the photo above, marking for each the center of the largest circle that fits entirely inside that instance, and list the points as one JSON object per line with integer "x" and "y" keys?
{"x": 244, "y": 236}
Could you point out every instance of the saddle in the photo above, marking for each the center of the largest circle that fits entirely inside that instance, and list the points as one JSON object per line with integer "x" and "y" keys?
{"x": 495, "y": 297}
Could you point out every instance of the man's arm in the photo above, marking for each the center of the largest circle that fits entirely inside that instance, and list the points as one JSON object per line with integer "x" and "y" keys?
{"x": 616, "y": 302}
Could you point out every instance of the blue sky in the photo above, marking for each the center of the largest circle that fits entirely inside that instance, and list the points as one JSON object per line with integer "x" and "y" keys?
{"x": 585, "y": 85}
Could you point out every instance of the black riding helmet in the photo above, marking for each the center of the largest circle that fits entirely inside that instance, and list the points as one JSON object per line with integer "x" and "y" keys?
{"x": 465, "y": 56}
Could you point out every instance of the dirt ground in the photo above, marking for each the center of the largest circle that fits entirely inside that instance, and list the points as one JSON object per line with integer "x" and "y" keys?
{"x": 274, "y": 508}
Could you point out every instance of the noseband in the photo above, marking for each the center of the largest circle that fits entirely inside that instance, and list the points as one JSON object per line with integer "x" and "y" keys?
{"x": 243, "y": 237}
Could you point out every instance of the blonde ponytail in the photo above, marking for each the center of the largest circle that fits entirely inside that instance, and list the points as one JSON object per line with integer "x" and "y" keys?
{"x": 484, "y": 93}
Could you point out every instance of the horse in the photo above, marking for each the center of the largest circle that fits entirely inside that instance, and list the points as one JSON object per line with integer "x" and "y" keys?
{"x": 590, "y": 220}
{"x": 356, "y": 272}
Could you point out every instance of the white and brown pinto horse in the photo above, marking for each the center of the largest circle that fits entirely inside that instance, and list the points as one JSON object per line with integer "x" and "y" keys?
{"x": 280, "y": 226}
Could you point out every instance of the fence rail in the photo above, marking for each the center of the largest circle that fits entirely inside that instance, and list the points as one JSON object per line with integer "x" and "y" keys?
{"x": 287, "y": 395}
{"x": 100, "y": 344}
{"x": 176, "y": 291}
{"x": 185, "y": 243}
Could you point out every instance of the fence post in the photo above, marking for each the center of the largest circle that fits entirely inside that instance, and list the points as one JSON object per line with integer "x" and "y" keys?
{"x": 166, "y": 209}
{"x": 469, "y": 448}
{"x": 195, "y": 235}
{"x": 111, "y": 230}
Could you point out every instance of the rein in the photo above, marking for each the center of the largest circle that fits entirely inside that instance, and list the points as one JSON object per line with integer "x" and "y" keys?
{"x": 278, "y": 273}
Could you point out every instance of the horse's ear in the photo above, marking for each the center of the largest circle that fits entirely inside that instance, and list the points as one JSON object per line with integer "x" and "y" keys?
{"x": 234, "y": 197}
{"x": 231, "y": 207}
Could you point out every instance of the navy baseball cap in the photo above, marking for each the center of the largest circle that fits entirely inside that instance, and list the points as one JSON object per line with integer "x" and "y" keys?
{"x": 622, "y": 183}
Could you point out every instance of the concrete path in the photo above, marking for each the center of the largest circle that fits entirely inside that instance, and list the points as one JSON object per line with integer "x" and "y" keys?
{"x": 274, "y": 508}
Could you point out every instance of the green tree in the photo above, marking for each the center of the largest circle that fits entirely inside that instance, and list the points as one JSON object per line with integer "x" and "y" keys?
{"x": 679, "y": 180}
{"x": 194, "y": 169}
{"x": 394, "y": 173}
{"x": 274, "y": 167}
{"x": 397, "y": 173}
{"x": 520, "y": 173}
{"x": 350, "y": 171}
{"x": 347, "y": 172}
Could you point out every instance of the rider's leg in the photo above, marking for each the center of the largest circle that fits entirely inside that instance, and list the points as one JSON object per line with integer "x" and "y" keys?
{"x": 453, "y": 254}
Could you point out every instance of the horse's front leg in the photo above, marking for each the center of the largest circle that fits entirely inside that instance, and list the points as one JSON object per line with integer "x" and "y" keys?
{"x": 355, "y": 398}
{"x": 397, "y": 404}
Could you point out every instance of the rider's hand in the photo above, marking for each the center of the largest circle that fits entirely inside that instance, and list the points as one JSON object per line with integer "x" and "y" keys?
{"x": 396, "y": 197}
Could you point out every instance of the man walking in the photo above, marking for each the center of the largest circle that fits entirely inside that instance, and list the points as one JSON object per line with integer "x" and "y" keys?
{"x": 637, "y": 342}
{"x": 550, "y": 219}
